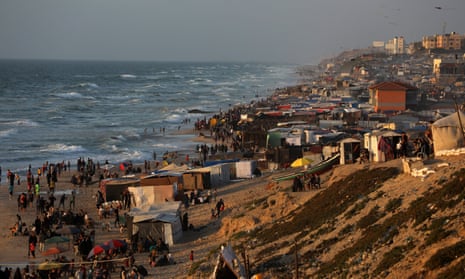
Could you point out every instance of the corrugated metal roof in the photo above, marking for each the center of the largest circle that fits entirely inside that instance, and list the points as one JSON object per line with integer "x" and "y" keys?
{"x": 392, "y": 85}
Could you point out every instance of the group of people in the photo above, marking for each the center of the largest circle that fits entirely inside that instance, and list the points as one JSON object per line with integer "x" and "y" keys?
{"x": 306, "y": 182}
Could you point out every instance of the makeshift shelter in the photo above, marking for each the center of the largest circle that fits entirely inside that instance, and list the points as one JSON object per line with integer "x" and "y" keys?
{"x": 381, "y": 144}
{"x": 196, "y": 179}
{"x": 112, "y": 188}
{"x": 228, "y": 265}
{"x": 144, "y": 196}
{"x": 161, "y": 220}
{"x": 220, "y": 174}
{"x": 448, "y": 133}
{"x": 245, "y": 169}
{"x": 161, "y": 178}
{"x": 276, "y": 137}
{"x": 350, "y": 150}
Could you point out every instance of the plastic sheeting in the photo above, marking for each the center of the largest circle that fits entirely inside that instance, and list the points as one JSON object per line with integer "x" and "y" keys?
{"x": 447, "y": 133}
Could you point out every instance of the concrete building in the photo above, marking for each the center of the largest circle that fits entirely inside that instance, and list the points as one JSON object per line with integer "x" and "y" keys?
{"x": 395, "y": 45}
{"x": 392, "y": 97}
{"x": 448, "y": 70}
{"x": 452, "y": 41}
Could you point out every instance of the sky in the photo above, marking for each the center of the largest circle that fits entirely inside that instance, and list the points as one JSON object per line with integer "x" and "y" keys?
{"x": 283, "y": 31}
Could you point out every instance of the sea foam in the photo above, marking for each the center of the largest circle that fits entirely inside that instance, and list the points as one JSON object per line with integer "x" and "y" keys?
{"x": 62, "y": 148}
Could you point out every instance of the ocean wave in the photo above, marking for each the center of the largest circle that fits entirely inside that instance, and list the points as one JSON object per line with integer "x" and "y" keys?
{"x": 196, "y": 81}
{"x": 118, "y": 138}
{"x": 62, "y": 148}
{"x": 127, "y": 76}
{"x": 21, "y": 122}
{"x": 73, "y": 95}
{"x": 168, "y": 146}
{"x": 88, "y": 84}
{"x": 151, "y": 85}
{"x": 8, "y": 132}
{"x": 174, "y": 118}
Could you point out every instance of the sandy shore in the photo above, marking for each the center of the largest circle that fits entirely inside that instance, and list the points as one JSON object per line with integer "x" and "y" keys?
{"x": 202, "y": 240}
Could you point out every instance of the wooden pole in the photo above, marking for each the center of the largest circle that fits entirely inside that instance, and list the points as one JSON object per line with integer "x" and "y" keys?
{"x": 460, "y": 120}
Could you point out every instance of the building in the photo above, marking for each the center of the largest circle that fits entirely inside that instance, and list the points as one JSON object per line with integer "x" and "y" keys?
{"x": 429, "y": 42}
{"x": 448, "y": 70}
{"x": 395, "y": 45}
{"x": 452, "y": 41}
{"x": 392, "y": 96}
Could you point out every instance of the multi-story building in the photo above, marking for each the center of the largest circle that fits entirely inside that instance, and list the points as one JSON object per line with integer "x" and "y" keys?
{"x": 448, "y": 70}
{"x": 429, "y": 42}
{"x": 452, "y": 41}
{"x": 395, "y": 45}
{"x": 393, "y": 96}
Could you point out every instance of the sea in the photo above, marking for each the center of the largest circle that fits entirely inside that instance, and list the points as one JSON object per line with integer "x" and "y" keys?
{"x": 54, "y": 111}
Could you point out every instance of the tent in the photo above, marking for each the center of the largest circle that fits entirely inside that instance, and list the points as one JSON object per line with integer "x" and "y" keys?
{"x": 220, "y": 174}
{"x": 228, "y": 265}
{"x": 245, "y": 169}
{"x": 350, "y": 150}
{"x": 112, "y": 188}
{"x": 196, "y": 179}
{"x": 381, "y": 144}
{"x": 448, "y": 133}
{"x": 161, "y": 220}
{"x": 144, "y": 196}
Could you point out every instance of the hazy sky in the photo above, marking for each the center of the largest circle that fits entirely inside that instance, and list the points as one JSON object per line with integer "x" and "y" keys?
{"x": 295, "y": 31}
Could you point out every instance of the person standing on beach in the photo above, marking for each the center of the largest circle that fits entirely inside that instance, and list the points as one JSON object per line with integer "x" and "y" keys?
{"x": 72, "y": 200}
{"x": 11, "y": 179}
{"x": 32, "y": 244}
{"x": 62, "y": 201}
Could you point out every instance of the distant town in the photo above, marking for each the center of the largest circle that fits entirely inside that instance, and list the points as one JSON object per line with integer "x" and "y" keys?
{"x": 387, "y": 93}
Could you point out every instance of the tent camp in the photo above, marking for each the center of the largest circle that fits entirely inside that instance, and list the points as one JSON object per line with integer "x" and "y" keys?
{"x": 160, "y": 220}
{"x": 448, "y": 133}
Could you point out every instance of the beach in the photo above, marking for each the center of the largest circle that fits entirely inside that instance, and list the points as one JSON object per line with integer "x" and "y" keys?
{"x": 207, "y": 236}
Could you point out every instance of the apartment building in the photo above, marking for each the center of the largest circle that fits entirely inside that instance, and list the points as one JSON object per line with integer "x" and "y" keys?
{"x": 451, "y": 41}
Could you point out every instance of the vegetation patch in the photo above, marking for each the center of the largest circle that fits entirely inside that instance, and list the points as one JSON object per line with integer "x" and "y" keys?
{"x": 446, "y": 255}
{"x": 392, "y": 257}
{"x": 330, "y": 203}
{"x": 356, "y": 208}
{"x": 393, "y": 204}
{"x": 437, "y": 231}
{"x": 372, "y": 217}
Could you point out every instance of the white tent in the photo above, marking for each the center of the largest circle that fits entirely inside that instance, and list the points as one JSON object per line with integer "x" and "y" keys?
{"x": 448, "y": 133}
{"x": 245, "y": 169}
{"x": 146, "y": 196}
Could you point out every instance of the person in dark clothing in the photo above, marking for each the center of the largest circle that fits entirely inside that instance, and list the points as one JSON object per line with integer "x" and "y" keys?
{"x": 219, "y": 207}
